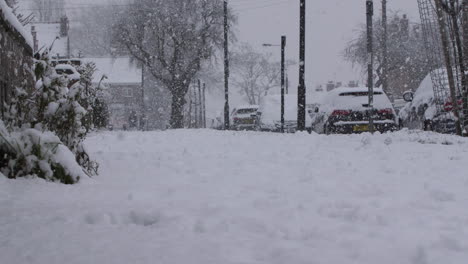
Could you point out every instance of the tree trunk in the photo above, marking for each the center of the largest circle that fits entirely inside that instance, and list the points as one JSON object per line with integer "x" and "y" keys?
{"x": 465, "y": 58}
{"x": 178, "y": 103}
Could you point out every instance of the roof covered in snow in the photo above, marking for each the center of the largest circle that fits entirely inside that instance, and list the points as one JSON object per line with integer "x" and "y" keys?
{"x": 7, "y": 13}
{"x": 118, "y": 70}
{"x": 48, "y": 34}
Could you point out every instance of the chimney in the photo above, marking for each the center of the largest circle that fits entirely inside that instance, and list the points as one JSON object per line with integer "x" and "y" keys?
{"x": 64, "y": 26}
{"x": 404, "y": 26}
{"x": 34, "y": 35}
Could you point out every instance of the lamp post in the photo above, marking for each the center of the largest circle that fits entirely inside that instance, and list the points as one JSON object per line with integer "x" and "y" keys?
{"x": 283, "y": 71}
{"x": 370, "y": 62}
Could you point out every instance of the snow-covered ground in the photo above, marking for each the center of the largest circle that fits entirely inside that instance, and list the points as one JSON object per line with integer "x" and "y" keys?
{"x": 209, "y": 197}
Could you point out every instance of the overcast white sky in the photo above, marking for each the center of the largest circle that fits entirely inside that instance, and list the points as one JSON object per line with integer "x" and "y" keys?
{"x": 330, "y": 25}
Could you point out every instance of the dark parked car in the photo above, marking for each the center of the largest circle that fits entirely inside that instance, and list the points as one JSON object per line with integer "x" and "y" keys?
{"x": 346, "y": 111}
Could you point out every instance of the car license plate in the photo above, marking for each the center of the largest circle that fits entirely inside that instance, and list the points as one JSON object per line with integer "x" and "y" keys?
{"x": 361, "y": 128}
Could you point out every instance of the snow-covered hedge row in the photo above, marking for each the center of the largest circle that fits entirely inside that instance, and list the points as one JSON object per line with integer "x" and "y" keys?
{"x": 30, "y": 152}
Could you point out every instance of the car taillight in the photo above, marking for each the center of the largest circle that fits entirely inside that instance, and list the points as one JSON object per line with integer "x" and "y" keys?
{"x": 386, "y": 111}
{"x": 341, "y": 113}
{"x": 448, "y": 106}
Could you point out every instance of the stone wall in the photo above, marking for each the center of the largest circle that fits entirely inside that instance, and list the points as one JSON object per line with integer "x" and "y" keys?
{"x": 15, "y": 62}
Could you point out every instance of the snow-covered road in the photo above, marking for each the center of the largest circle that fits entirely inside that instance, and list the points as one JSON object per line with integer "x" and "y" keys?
{"x": 210, "y": 197}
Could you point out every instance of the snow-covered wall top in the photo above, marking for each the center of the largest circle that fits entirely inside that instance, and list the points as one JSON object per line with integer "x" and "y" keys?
{"x": 6, "y": 13}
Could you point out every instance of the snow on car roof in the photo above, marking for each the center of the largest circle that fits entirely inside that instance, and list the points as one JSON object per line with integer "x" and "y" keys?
{"x": 13, "y": 21}
{"x": 423, "y": 95}
{"x": 246, "y": 107}
{"x": 64, "y": 67}
{"x": 354, "y": 99}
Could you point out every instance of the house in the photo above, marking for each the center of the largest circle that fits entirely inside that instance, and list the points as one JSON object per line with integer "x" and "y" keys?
{"x": 123, "y": 79}
{"x": 53, "y": 35}
{"x": 15, "y": 55}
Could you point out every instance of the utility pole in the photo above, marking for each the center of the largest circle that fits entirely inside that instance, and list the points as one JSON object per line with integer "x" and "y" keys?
{"x": 384, "y": 49}
{"x": 370, "y": 62}
{"x": 195, "y": 107}
{"x": 200, "y": 108}
{"x": 283, "y": 47}
{"x": 283, "y": 76}
{"x": 465, "y": 59}
{"x": 226, "y": 66}
{"x": 204, "y": 105}
{"x": 190, "y": 108}
{"x": 143, "y": 107}
{"x": 301, "y": 91}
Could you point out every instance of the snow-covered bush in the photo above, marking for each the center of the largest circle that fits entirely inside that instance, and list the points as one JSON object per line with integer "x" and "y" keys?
{"x": 30, "y": 152}
{"x": 46, "y": 124}
{"x": 94, "y": 100}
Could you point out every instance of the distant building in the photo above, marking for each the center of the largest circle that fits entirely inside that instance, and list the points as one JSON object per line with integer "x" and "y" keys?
{"x": 353, "y": 84}
{"x": 15, "y": 56}
{"x": 123, "y": 79}
{"x": 330, "y": 86}
{"x": 53, "y": 35}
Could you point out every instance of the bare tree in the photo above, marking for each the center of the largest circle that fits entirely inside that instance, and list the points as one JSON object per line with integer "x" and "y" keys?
{"x": 172, "y": 39}
{"x": 254, "y": 73}
{"x": 95, "y": 33}
{"x": 406, "y": 61}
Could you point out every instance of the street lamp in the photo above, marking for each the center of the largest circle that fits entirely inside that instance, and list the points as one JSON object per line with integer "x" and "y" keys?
{"x": 283, "y": 47}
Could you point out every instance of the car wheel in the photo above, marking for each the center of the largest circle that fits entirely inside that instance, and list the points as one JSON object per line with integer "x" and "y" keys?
{"x": 326, "y": 130}
{"x": 428, "y": 125}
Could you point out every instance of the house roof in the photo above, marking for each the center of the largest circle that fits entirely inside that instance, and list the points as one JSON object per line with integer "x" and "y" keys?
{"x": 8, "y": 15}
{"x": 48, "y": 33}
{"x": 118, "y": 70}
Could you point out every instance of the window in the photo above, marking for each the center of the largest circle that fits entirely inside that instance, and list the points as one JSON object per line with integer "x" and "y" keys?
{"x": 127, "y": 92}
{"x": 358, "y": 93}
{"x": 64, "y": 71}
{"x": 246, "y": 111}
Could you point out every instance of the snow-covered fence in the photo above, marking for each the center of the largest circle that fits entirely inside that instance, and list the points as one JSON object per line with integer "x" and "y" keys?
{"x": 15, "y": 55}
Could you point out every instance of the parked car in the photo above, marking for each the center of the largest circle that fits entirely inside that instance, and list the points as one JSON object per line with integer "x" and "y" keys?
{"x": 69, "y": 71}
{"x": 244, "y": 117}
{"x": 269, "y": 114}
{"x": 421, "y": 110}
{"x": 346, "y": 110}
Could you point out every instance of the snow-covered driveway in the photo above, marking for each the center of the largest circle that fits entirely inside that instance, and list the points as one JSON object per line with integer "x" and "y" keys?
{"x": 209, "y": 197}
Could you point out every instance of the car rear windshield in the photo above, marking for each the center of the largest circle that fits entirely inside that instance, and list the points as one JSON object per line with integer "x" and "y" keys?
{"x": 246, "y": 111}
{"x": 64, "y": 71}
{"x": 359, "y": 93}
